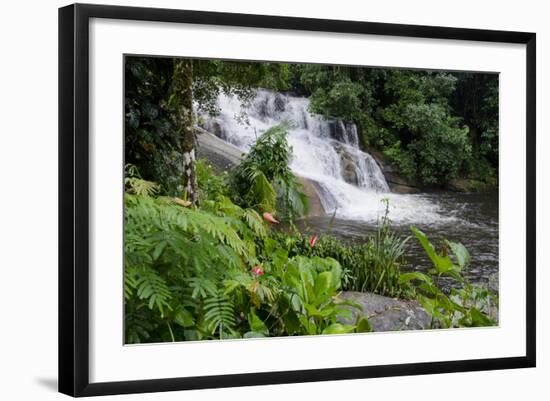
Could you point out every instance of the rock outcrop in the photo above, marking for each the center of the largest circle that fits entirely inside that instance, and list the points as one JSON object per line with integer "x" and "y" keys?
{"x": 469, "y": 185}
{"x": 388, "y": 314}
{"x": 222, "y": 155}
{"x": 397, "y": 183}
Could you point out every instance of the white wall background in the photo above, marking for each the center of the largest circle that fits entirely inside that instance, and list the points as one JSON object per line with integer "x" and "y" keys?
{"x": 28, "y": 201}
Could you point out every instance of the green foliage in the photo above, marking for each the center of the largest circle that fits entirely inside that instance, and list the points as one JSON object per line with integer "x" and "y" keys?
{"x": 176, "y": 261}
{"x": 403, "y": 159}
{"x": 373, "y": 265}
{"x": 219, "y": 315}
{"x": 217, "y": 272}
{"x": 211, "y": 186}
{"x": 476, "y": 100}
{"x": 426, "y": 142}
{"x": 150, "y": 137}
{"x": 342, "y": 92}
{"x": 433, "y": 126}
{"x": 310, "y": 285}
{"x": 214, "y": 273}
{"x": 342, "y": 100}
{"x": 147, "y": 285}
{"x": 137, "y": 185}
{"x": 468, "y": 306}
{"x": 264, "y": 181}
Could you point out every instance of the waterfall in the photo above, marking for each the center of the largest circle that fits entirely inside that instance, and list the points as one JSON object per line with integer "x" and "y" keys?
{"x": 326, "y": 151}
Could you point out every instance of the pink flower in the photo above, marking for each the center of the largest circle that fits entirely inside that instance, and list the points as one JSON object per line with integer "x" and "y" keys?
{"x": 257, "y": 270}
{"x": 269, "y": 217}
{"x": 313, "y": 240}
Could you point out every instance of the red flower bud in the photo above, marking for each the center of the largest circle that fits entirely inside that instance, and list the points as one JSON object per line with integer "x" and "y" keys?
{"x": 313, "y": 240}
{"x": 257, "y": 270}
{"x": 269, "y": 217}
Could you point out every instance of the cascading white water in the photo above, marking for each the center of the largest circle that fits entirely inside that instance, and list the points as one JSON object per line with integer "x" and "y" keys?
{"x": 327, "y": 152}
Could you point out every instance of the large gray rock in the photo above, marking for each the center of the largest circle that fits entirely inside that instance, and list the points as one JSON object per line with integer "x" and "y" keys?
{"x": 388, "y": 314}
{"x": 315, "y": 207}
{"x": 397, "y": 183}
{"x": 221, "y": 154}
{"x": 349, "y": 171}
{"x": 469, "y": 185}
{"x": 402, "y": 189}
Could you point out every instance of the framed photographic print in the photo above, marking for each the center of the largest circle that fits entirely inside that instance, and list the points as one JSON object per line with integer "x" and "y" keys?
{"x": 251, "y": 199}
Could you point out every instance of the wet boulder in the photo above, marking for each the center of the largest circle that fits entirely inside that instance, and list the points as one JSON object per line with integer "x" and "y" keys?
{"x": 387, "y": 314}
{"x": 349, "y": 171}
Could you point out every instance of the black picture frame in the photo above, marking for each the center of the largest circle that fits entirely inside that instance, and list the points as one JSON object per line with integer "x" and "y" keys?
{"x": 74, "y": 198}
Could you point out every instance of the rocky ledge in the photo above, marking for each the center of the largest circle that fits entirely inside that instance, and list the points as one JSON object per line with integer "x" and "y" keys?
{"x": 387, "y": 314}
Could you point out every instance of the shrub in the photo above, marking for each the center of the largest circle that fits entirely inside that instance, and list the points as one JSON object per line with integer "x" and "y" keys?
{"x": 208, "y": 273}
{"x": 210, "y": 185}
{"x": 468, "y": 306}
{"x": 264, "y": 181}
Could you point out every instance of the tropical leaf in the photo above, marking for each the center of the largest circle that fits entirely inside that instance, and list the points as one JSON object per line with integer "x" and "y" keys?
{"x": 460, "y": 252}
{"x": 149, "y": 286}
{"x": 219, "y": 314}
{"x": 338, "y": 328}
{"x": 442, "y": 263}
{"x": 254, "y": 222}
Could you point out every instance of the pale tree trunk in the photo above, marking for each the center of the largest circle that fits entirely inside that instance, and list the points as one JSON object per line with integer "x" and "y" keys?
{"x": 182, "y": 106}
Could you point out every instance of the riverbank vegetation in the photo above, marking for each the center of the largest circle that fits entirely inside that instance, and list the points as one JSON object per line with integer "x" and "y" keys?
{"x": 230, "y": 269}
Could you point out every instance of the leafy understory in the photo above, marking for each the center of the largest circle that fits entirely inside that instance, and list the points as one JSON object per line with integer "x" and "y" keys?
{"x": 214, "y": 273}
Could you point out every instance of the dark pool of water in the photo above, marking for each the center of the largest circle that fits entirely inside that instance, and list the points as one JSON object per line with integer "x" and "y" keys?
{"x": 475, "y": 225}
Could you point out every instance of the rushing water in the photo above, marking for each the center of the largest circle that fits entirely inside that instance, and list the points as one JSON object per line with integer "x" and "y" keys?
{"x": 351, "y": 184}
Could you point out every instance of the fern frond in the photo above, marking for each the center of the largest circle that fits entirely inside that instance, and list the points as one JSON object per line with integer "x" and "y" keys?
{"x": 137, "y": 185}
{"x": 149, "y": 286}
{"x": 137, "y": 328}
{"x": 263, "y": 192}
{"x": 254, "y": 222}
{"x": 202, "y": 287}
{"x": 141, "y": 187}
{"x": 219, "y": 314}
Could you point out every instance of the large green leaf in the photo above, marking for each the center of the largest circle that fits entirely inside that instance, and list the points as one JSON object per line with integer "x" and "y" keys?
{"x": 479, "y": 319}
{"x": 363, "y": 325}
{"x": 264, "y": 193}
{"x": 184, "y": 318}
{"x": 339, "y": 328}
{"x": 256, "y": 324}
{"x": 460, "y": 252}
{"x": 291, "y": 321}
{"x": 442, "y": 263}
{"x": 324, "y": 287}
{"x": 408, "y": 277}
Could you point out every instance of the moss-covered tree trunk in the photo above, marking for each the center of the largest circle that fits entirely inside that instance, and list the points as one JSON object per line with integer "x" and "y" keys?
{"x": 181, "y": 102}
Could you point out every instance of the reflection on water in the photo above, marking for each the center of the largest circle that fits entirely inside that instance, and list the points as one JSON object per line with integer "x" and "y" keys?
{"x": 474, "y": 223}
